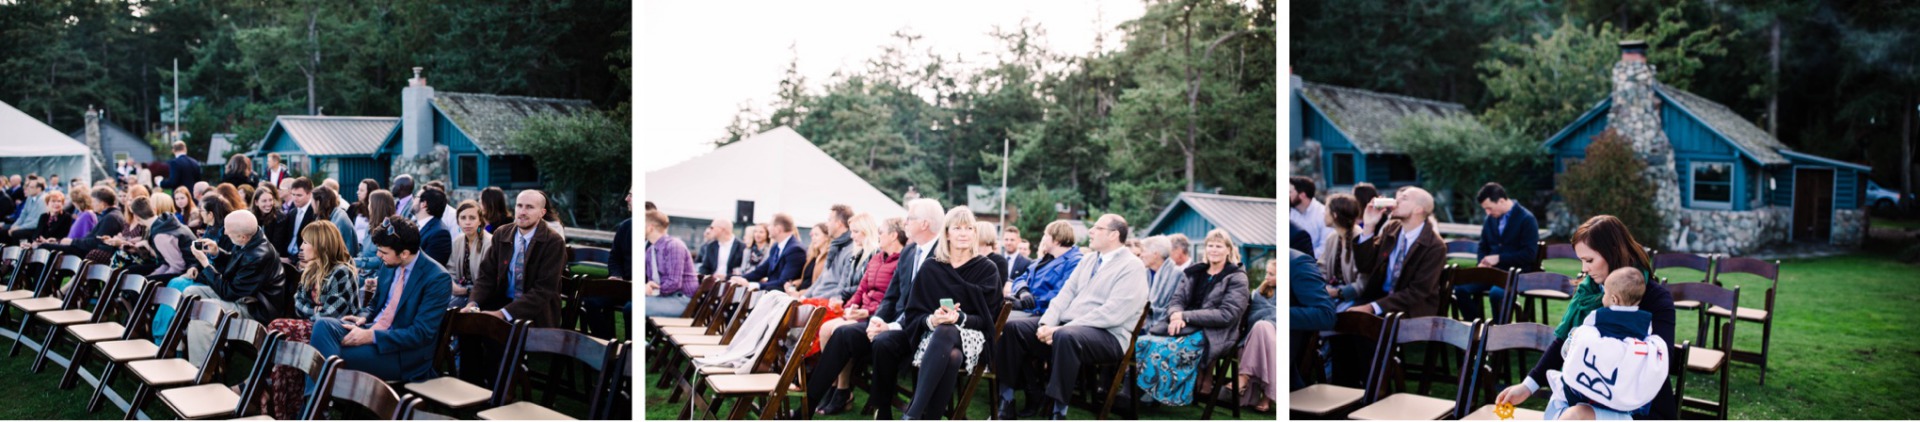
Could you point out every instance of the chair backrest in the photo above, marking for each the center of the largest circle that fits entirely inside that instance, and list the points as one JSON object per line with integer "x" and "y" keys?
{"x": 1558, "y": 251}
{"x": 477, "y": 327}
{"x": 11, "y": 253}
{"x": 582, "y": 348}
{"x": 740, "y": 312}
{"x": 140, "y": 322}
{"x": 701, "y": 295}
{"x": 1541, "y": 280}
{"x": 31, "y": 270}
{"x": 1378, "y": 360}
{"x": 240, "y": 333}
{"x": 619, "y": 373}
{"x": 1709, "y": 295}
{"x": 356, "y": 387}
{"x": 1499, "y": 338}
{"x": 10, "y": 261}
{"x": 791, "y": 324}
{"x": 1746, "y": 265}
{"x": 193, "y": 309}
{"x": 129, "y": 295}
{"x": 279, "y": 352}
{"x": 793, "y": 357}
{"x": 1463, "y": 245}
{"x": 1703, "y": 264}
{"x": 709, "y": 304}
{"x": 1479, "y": 276}
{"x": 1433, "y": 329}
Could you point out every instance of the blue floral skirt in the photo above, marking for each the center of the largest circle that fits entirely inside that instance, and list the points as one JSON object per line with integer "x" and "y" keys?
{"x": 1169, "y": 365}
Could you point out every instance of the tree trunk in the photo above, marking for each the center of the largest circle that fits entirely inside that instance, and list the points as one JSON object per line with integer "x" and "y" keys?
{"x": 1193, "y": 93}
{"x": 1906, "y": 154}
{"x": 1773, "y": 83}
{"x": 313, "y": 67}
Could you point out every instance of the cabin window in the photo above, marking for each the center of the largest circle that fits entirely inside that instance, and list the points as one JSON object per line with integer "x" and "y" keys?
{"x": 1712, "y": 185}
{"x": 1342, "y": 167}
{"x": 521, "y": 171}
{"x": 1400, "y": 169}
{"x": 467, "y": 171}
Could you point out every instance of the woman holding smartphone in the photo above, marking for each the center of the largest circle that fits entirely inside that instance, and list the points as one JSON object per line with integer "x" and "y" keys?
{"x": 960, "y": 294}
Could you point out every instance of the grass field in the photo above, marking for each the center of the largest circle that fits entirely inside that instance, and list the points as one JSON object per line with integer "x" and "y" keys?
{"x": 1843, "y": 346}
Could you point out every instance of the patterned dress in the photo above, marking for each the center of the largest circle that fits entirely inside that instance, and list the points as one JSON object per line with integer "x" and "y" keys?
{"x": 1169, "y": 365}
{"x": 338, "y": 298}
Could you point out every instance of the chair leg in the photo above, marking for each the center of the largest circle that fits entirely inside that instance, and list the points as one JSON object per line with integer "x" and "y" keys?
{"x": 46, "y": 347}
{"x": 1766, "y": 346}
{"x": 78, "y": 359}
{"x": 100, "y": 391}
{"x": 26, "y": 323}
{"x": 140, "y": 397}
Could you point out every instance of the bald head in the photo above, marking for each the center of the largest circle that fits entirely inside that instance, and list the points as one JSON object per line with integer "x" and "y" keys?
{"x": 720, "y": 230}
{"x": 241, "y": 226}
{"x": 1413, "y": 202}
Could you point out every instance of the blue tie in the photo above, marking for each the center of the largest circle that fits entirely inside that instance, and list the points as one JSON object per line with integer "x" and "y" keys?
{"x": 1393, "y": 268}
{"x": 1097, "y": 260}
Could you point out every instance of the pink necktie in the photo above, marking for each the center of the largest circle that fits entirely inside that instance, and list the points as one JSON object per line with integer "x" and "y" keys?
{"x": 393, "y": 301}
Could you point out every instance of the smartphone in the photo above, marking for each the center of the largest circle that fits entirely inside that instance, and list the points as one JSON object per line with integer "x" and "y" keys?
{"x": 946, "y": 303}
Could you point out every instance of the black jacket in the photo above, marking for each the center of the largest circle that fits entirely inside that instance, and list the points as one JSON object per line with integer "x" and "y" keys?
{"x": 620, "y": 263}
{"x": 249, "y": 276}
{"x": 711, "y": 251}
{"x": 893, "y": 306}
{"x": 109, "y": 223}
{"x": 975, "y": 286}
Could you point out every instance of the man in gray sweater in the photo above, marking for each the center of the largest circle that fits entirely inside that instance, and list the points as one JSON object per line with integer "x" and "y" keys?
{"x": 1090, "y": 322}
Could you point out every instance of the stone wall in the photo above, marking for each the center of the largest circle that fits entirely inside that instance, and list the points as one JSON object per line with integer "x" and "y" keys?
{"x": 424, "y": 168}
{"x": 1306, "y": 162}
{"x": 1727, "y": 232}
{"x": 1849, "y": 227}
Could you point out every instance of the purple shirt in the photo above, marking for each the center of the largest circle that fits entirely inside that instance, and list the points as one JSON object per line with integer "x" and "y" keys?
{"x": 670, "y": 264}
{"x": 82, "y": 225}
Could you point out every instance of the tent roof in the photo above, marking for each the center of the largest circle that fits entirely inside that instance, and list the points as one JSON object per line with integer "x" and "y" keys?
{"x": 779, "y": 170}
{"x": 23, "y": 136}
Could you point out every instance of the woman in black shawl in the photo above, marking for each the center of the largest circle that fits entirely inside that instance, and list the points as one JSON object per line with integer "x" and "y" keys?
{"x": 953, "y": 338}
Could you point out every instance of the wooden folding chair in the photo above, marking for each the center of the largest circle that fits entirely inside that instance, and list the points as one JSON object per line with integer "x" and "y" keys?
{"x": 614, "y": 292}
{"x": 1124, "y": 368}
{"x": 157, "y": 374}
{"x": 45, "y": 298}
{"x": 1557, "y": 251}
{"x": 1409, "y": 406}
{"x": 1463, "y": 249}
{"x": 1497, "y": 339}
{"x": 1540, "y": 289}
{"x": 1667, "y": 260}
{"x": 130, "y": 285}
{"x": 138, "y": 324}
{"x": 775, "y": 385}
{"x": 448, "y": 389}
{"x": 1763, "y": 269}
{"x": 360, "y": 388}
{"x": 119, "y": 353}
{"x": 965, "y": 395}
{"x": 1328, "y": 401}
{"x": 23, "y": 284}
{"x": 618, "y": 401}
{"x": 569, "y": 344}
{"x": 1485, "y": 277}
{"x": 412, "y": 409}
{"x": 686, "y": 347}
{"x": 66, "y": 309}
{"x": 591, "y": 256}
{"x": 10, "y": 263}
{"x": 1703, "y": 359}
{"x": 790, "y": 317}
{"x": 217, "y": 401}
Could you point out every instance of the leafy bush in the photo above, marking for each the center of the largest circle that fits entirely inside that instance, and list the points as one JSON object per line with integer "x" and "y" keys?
{"x": 586, "y": 161}
{"x": 1458, "y": 154}
{"x": 1609, "y": 181}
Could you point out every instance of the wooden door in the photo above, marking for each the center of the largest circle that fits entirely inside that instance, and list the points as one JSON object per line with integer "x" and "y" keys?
{"x": 1812, "y": 204}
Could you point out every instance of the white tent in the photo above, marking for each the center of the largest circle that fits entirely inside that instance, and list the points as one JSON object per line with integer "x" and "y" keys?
{"x": 778, "y": 170}
{"x": 29, "y": 146}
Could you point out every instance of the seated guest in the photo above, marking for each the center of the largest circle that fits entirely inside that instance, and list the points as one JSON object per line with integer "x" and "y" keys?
{"x": 435, "y": 241}
{"x": 1203, "y": 324}
{"x": 722, "y": 254}
{"x": 876, "y": 271}
{"x": 1017, "y": 262}
{"x": 954, "y": 337}
{"x": 170, "y": 241}
{"x": 1309, "y": 310}
{"x": 251, "y": 268}
{"x": 1088, "y": 322}
{"x": 27, "y": 226}
{"x": 1043, "y": 283}
{"x": 131, "y": 251}
{"x": 597, "y": 311}
{"x": 393, "y": 337}
{"x": 380, "y": 205}
{"x": 838, "y": 276}
{"x": 468, "y": 249}
{"x": 266, "y": 208}
{"x": 784, "y": 261}
{"x": 519, "y": 279}
{"x": 1509, "y": 240}
{"x": 109, "y": 221}
{"x": 1258, "y": 369}
{"x": 184, "y": 210}
{"x": 326, "y": 203}
{"x": 880, "y": 338}
{"x": 55, "y": 222}
{"x": 1166, "y": 277}
{"x": 80, "y": 205}
{"x": 213, "y": 209}
{"x": 1404, "y": 262}
{"x": 816, "y": 261}
{"x": 327, "y": 289}
{"x": 671, "y": 282}
{"x": 1344, "y": 280}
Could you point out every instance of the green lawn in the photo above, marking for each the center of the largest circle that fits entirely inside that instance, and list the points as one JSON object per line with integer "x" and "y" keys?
{"x": 1842, "y": 348}
{"x": 1882, "y": 222}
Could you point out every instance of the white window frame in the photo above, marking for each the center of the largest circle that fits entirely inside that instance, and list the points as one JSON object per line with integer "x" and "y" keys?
{"x": 1693, "y": 182}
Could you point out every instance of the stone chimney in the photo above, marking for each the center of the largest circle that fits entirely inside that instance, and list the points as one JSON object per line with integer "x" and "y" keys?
{"x": 416, "y": 117}
{"x": 100, "y": 163}
{"x": 1635, "y": 115}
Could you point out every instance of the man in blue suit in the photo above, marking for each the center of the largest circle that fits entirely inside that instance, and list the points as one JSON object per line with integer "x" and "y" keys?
{"x": 435, "y": 241}
{"x": 1509, "y": 239}
{"x": 784, "y": 261}
{"x": 393, "y": 338}
{"x": 182, "y": 170}
{"x": 1310, "y": 309}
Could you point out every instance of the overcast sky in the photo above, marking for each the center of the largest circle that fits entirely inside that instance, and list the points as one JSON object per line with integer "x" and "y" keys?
{"x": 699, "y": 60}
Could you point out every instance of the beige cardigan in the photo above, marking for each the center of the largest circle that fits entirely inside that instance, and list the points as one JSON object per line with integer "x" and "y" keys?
{"x": 459, "y": 260}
